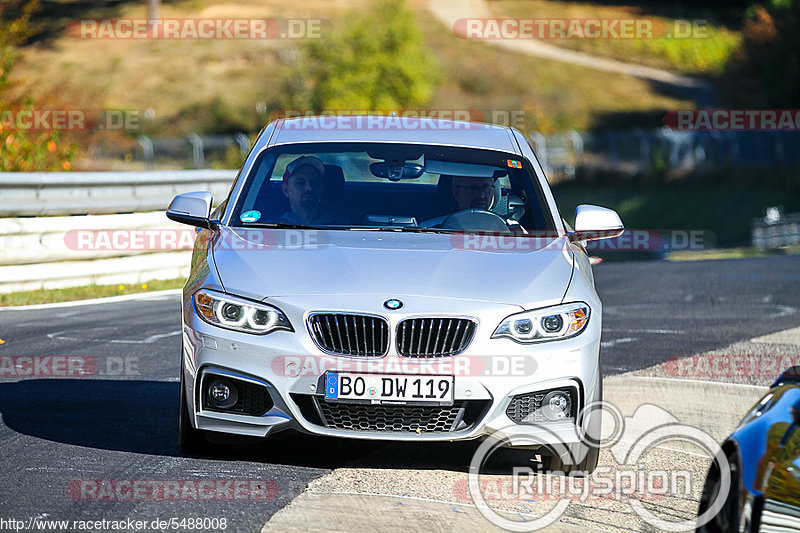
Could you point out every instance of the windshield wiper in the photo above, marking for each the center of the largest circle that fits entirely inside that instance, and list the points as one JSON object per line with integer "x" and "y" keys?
{"x": 422, "y": 229}
{"x": 409, "y": 229}
{"x": 277, "y": 225}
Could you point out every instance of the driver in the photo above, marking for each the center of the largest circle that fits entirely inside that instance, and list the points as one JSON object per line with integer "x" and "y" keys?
{"x": 473, "y": 193}
{"x": 304, "y": 187}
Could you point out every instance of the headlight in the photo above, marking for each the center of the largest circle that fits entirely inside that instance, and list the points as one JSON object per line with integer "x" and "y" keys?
{"x": 239, "y": 314}
{"x": 547, "y": 324}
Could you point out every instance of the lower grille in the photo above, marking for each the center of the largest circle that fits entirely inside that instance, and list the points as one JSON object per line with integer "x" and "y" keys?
{"x": 527, "y": 408}
{"x": 253, "y": 400}
{"x": 434, "y": 337}
{"x": 350, "y": 334}
{"x": 392, "y": 418}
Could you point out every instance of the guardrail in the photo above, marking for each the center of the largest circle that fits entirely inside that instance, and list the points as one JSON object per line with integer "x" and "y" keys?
{"x": 53, "y": 252}
{"x": 775, "y": 230}
{"x": 69, "y": 193}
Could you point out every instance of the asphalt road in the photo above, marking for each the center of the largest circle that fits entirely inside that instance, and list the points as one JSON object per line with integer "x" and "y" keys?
{"x": 119, "y": 422}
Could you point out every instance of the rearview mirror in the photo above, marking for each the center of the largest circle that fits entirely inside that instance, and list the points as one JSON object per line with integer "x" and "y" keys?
{"x": 193, "y": 208}
{"x": 593, "y": 222}
{"x": 396, "y": 172}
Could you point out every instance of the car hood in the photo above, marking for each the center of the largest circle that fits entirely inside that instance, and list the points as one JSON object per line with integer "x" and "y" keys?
{"x": 265, "y": 262}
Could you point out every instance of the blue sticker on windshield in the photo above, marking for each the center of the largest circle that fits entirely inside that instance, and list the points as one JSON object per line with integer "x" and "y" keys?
{"x": 250, "y": 216}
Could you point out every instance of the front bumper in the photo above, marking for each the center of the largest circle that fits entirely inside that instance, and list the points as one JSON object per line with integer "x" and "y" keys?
{"x": 488, "y": 374}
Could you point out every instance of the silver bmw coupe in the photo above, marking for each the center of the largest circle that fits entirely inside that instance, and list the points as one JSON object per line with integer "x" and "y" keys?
{"x": 384, "y": 277}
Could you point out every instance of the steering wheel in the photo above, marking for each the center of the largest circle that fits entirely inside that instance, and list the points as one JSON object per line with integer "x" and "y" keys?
{"x": 475, "y": 219}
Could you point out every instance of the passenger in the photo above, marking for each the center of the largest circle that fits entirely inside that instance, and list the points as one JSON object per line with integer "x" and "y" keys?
{"x": 473, "y": 193}
{"x": 468, "y": 193}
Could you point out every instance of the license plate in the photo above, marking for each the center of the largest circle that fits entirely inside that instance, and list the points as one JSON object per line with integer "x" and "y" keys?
{"x": 389, "y": 388}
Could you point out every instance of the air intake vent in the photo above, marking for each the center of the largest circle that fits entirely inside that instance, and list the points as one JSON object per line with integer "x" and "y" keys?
{"x": 434, "y": 337}
{"x": 350, "y": 334}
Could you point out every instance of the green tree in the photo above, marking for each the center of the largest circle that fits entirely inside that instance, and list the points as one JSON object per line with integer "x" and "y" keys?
{"x": 377, "y": 60}
{"x": 765, "y": 71}
{"x": 22, "y": 149}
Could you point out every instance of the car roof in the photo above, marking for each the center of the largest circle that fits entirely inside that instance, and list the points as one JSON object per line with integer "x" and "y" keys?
{"x": 394, "y": 129}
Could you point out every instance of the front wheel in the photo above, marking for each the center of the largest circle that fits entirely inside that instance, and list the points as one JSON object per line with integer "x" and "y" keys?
{"x": 586, "y": 466}
{"x": 192, "y": 441}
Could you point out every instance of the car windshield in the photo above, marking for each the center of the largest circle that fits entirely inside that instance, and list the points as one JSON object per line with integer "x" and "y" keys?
{"x": 392, "y": 186}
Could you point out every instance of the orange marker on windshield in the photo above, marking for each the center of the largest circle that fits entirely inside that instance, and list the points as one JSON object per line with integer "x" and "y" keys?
{"x": 513, "y": 164}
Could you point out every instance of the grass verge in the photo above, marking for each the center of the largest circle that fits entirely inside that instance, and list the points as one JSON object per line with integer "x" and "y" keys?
{"x": 722, "y": 211}
{"x": 547, "y": 96}
{"x": 701, "y": 45}
{"x": 68, "y": 294}
{"x": 233, "y": 85}
{"x": 711, "y": 255}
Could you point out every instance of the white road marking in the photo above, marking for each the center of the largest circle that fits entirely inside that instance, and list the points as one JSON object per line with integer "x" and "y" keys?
{"x": 659, "y": 331}
{"x": 97, "y": 301}
{"x": 60, "y": 335}
{"x": 655, "y": 310}
{"x": 700, "y": 382}
{"x": 611, "y": 344}
{"x": 153, "y": 338}
{"x": 784, "y": 310}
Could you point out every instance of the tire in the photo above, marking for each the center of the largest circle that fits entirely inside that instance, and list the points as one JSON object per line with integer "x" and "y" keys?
{"x": 191, "y": 441}
{"x": 584, "y": 467}
{"x": 728, "y": 517}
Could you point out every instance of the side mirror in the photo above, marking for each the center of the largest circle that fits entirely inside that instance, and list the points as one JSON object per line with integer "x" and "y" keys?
{"x": 193, "y": 208}
{"x": 593, "y": 222}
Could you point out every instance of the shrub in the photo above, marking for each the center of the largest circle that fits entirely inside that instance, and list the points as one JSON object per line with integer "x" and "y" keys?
{"x": 765, "y": 70}
{"x": 376, "y": 61}
{"x": 23, "y": 149}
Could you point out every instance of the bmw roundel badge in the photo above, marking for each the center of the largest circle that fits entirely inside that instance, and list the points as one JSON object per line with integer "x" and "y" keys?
{"x": 393, "y": 304}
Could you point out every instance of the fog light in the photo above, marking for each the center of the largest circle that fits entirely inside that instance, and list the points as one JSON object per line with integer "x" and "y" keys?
{"x": 222, "y": 394}
{"x": 556, "y": 405}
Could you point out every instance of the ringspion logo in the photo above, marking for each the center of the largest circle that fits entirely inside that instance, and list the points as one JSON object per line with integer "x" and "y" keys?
{"x": 631, "y": 479}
